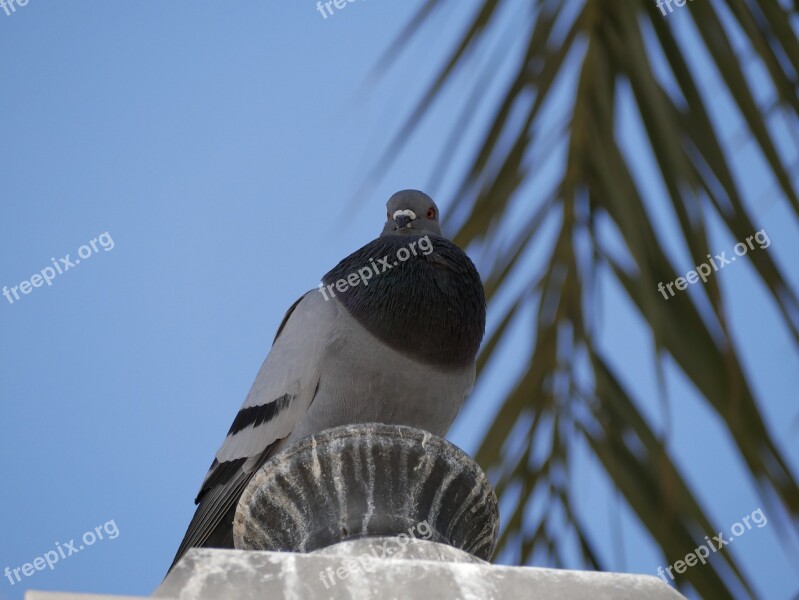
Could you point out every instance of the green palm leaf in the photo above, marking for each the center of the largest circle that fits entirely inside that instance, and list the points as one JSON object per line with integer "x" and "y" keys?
{"x": 613, "y": 54}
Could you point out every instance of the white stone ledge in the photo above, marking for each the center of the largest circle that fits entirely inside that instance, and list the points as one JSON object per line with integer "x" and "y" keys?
{"x": 33, "y": 595}
{"x": 206, "y": 574}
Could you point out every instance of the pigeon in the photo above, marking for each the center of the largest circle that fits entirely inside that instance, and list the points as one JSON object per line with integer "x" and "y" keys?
{"x": 390, "y": 336}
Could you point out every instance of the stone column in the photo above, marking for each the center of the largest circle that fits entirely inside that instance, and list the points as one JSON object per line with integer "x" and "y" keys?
{"x": 373, "y": 512}
{"x": 378, "y": 489}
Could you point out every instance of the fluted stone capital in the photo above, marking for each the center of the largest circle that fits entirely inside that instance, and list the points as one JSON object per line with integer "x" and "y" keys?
{"x": 363, "y": 481}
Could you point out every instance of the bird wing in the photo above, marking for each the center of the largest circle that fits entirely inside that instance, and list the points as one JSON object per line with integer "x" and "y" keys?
{"x": 280, "y": 396}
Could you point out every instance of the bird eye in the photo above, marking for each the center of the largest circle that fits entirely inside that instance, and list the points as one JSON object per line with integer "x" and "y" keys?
{"x": 431, "y": 213}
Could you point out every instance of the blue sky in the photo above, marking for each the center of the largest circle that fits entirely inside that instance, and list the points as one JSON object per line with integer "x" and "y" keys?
{"x": 222, "y": 150}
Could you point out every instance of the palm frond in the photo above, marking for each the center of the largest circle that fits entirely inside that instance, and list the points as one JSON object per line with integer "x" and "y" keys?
{"x": 612, "y": 56}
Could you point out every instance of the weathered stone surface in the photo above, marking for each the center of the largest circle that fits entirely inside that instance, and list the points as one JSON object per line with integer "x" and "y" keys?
{"x": 393, "y": 548}
{"x": 33, "y": 595}
{"x": 206, "y": 574}
{"x": 367, "y": 480}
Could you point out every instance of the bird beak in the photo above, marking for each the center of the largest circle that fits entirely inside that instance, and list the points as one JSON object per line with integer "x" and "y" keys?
{"x": 402, "y": 221}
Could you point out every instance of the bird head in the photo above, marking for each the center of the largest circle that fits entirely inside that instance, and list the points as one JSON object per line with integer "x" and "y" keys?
{"x": 411, "y": 212}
